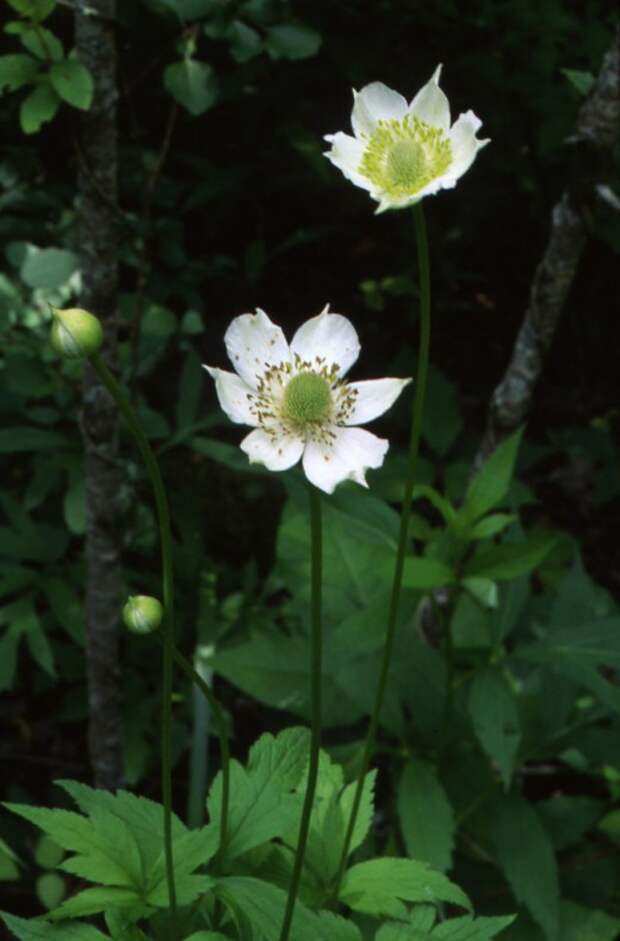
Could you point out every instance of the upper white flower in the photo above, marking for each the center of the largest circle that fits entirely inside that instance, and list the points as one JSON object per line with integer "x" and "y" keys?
{"x": 297, "y": 401}
{"x": 402, "y": 153}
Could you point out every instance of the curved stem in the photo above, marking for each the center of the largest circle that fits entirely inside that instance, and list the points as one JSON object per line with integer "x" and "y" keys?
{"x": 148, "y": 457}
{"x": 315, "y": 741}
{"x": 414, "y": 442}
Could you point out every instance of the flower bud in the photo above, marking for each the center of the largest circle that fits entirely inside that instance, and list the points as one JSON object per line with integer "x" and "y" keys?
{"x": 75, "y": 333}
{"x": 142, "y": 614}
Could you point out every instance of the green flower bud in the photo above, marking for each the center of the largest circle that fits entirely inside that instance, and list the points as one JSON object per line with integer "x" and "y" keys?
{"x": 142, "y": 614}
{"x": 75, "y": 333}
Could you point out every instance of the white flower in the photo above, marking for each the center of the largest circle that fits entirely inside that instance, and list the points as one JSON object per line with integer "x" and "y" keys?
{"x": 402, "y": 153}
{"x": 297, "y": 401}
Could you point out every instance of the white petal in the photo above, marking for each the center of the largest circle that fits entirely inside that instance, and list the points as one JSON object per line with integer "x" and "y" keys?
{"x": 253, "y": 343}
{"x": 233, "y": 393}
{"x": 373, "y": 398}
{"x": 346, "y": 154}
{"x": 347, "y": 458}
{"x": 464, "y": 143}
{"x": 375, "y": 102}
{"x": 329, "y": 336}
{"x": 277, "y": 452}
{"x": 431, "y": 105}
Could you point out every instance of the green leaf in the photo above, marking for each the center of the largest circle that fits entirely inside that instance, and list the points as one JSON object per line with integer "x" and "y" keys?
{"x": 426, "y": 817}
{"x": 292, "y": 41}
{"x": 73, "y": 83}
{"x": 195, "y": 848}
{"x": 493, "y": 709}
{"x": 491, "y": 483}
{"x": 261, "y": 905}
{"x": 491, "y": 525}
{"x": 37, "y": 10}
{"x": 566, "y": 819}
{"x": 42, "y": 43}
{"x": 586, "y": 924}
{"x": 484, "y": 590}
{"x": 336, "y": 928}
{"x": 376, "y": 887}
{"x": 190, "y": 390}
{"x": 66, "y": 828}
{"x": 17, "y": 70}
{"x": 470, "y": 929}
{"x": 25, "y": 438}
{"x": 48, "y": 268}
{"x": 66, "y": 607}
{"x": 527, "y": 858}
{"x": 192, "y": 9}
{"x": 244, "y": 42}
{"x": 583, "y": 82}
{"x": 193, "y": 84}
{"x": 38, "y": 108}
{"x": 442, "y": 422}
{"x": 98, "y": 899}
{"x": 595, "y": 642}
{"x": 50, "y": 889}
{"x": 510, "y": 559}
{"x": 33, "y": 929}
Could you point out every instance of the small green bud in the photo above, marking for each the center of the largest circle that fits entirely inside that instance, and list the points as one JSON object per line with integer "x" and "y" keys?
{"x": 142, "y": 614}
{"x": 75, "y": 333}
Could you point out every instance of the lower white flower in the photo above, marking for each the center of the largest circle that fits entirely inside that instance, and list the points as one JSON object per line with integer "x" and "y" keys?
{"x": 297, "y": 401}
{"x": 403, "y": 152}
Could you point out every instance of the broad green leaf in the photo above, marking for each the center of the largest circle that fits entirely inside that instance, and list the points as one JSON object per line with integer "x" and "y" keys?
{"x": 37, "y": 10}
{"x": 376, "y": 887}
{"x": 17, "y": 70}
{"x": 38, "y": 108}
{"x": 244, "y": 42}
{"x": 510, "y": 559}
{"x": 73, "y": 83}
{"x": 493, "y": 710}
{"x": 50, "y": 889}
{"x": 491, "y": 483}
{"x": 207, "y": 936}
{"x": 25, "y": 438}
{"x": 47, "y": 854}
{"x": 113, "y": 857}
{"x": 426, "y": 817}
{"x": 594, "y": 642}
{"x": 33, "y": 929}
{"x": 566, "y": 819}
{"x": 470, "y": 929}
{"x": 513, "y": 597}
{"x": 469, "y": 624}
{"x": 401, "y": 931}
{"x": 365, "y": 812}
{"x": 193, "y": 84}
{"x": 420, "y": 572}
{"x": 280, "y": 759}
{"x": 195, "y": 848}
{"x": 66, "y": 828}
{"x": 484, "y": 590}
{"x": 336, "y": 928}
{"x": 42, "y": 43}
{"x": 526, "y": 856}
{"x": 97, "y": 899}
{"x": 292, "y": 41}
{"x": 261, "y": 905}
{"x": 48, "y": 268}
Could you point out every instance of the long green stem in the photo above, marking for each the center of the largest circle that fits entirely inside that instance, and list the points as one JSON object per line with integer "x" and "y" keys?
{"x": 315, "y": 693}
{"x": 414, "y": 443}
{"x": 163, "y": 515}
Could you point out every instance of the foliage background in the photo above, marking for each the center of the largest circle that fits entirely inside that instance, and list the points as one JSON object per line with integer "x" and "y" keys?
{"x": 234, "y": 207}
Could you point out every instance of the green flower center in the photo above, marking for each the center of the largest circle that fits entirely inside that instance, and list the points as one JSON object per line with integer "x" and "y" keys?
{"x": 307, "y": 398}
{"x": 402, "y": 157}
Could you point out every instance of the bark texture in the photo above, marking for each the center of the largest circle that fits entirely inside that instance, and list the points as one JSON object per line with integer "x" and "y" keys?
{"x": 98, "y": 221}
{"x": 597, "y": 127}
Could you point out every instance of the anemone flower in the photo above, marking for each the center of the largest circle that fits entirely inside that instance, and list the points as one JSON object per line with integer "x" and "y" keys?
{"x": 401, "y": 153}
{"x": 295, "y": 398}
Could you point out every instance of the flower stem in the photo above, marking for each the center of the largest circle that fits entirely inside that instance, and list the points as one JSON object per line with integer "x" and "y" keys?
{"x": 414, "y": 442}
{"x": 148, "y": 457}
{"x": 315, "y": 741}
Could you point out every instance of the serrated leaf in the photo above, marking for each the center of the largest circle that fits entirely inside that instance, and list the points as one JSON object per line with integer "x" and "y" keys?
{"x": 493, "y": 709}
{"x": 335, "y": 928}
{"x": 73, "y": 83}
{"x": 37, "y": 10}
{"x": 470, "y": 929}
{"x": 17, "y": 70}
{"x": 33, "y": 929}
{"x": 38, "y": 108}
{"x": 42, "y": 43}
{"x": 510, "y": 559}
{"x": 376, "y": 887}
{"x": 426, "y": 816}
{"x": 262, "y": 906}
{"x": 526, "y": 856}
{"x": 98, "y": 899}
{"x": 365, "y": 812}
{"x": 578, "y": 923}
{"x": 193, "y": 84}
{"x": 491, "y": 483}
{"x": 292, "y": 41}
{"x": 195, "y": 848}
{"x": 66, "y": 828}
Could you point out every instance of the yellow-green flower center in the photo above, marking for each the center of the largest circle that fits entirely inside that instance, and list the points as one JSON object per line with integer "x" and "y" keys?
{"x": 404, "y": 156}
{"x": 307, "y": 398}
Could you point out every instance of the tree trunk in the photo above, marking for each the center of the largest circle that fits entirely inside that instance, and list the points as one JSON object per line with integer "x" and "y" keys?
{"x": 98, "y": 224}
